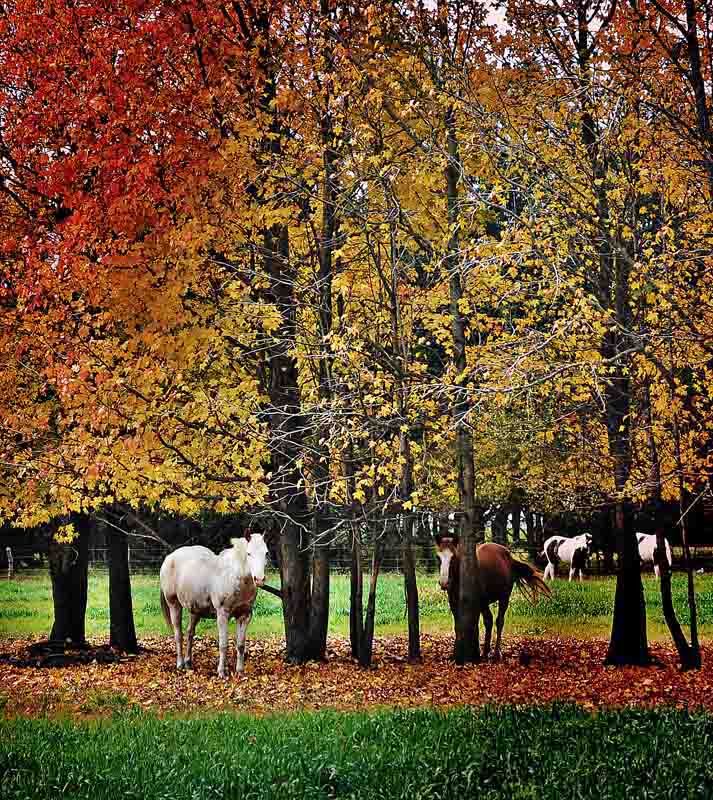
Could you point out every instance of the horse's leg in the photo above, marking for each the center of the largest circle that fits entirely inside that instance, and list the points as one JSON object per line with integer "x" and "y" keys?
{"x": 488, "y": 620}
{"x": 222, "y": 642}
{"x": 189, "y": 640}
{"x": 581, "y": 577}
{"x": 499, "y": 624}
{"x": 571, "y": 573}
{"x": 657, "y": 571}
{"x": 549, "y": 571}
{"x": 176, "y": 612}
{"x": 240, "y": 634}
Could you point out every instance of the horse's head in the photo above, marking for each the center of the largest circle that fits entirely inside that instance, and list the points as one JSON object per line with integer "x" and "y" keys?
{"x": 257, "y": 556}
{"x": 446, "y": 548}
{"x": 587, "y": 537}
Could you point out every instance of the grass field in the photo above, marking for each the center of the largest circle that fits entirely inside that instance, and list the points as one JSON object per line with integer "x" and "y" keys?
{"x": 515, "y": 753}
{"x": 580, "y": 610}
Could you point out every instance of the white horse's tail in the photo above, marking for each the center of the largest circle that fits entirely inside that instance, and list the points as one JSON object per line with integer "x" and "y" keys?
{"x": 165, "y": 610}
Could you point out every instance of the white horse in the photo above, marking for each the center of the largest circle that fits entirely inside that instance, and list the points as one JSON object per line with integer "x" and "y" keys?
{"x": 211, "y": 585}
{"x": 647, "y": 548}
{"x": 574, "y": 551}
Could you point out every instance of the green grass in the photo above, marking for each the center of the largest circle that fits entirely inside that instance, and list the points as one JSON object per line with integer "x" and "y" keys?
{"x": 581, "y": 610}
{"x": 516, "y": 753}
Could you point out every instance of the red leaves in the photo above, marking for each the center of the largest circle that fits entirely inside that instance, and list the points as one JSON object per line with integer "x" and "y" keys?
{"x": 534, "y": 671}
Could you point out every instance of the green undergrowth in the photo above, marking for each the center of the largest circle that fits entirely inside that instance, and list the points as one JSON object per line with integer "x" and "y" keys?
{"x": 576, "y": 609}
{"x": 516, "y": 753}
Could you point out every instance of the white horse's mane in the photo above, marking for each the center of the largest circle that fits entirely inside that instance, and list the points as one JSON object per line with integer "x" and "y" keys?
{"x": 240, "y": 549}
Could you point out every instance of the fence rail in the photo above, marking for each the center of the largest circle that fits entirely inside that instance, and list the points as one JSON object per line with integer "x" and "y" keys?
{"x": 143, "y": 559}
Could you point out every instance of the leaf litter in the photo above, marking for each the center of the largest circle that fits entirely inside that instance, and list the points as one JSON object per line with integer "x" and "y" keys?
{"x": 533, "y": 671}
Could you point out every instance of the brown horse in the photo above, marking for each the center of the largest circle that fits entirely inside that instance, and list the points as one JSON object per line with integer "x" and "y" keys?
{"x": 499, "y": 572}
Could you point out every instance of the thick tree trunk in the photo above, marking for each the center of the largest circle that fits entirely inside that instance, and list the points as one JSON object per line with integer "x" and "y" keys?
{"x": 284, "y": 414}
{"x": 287, "y": 433}
{"x": 295, "y": 583}
{"x": 466, "y": 647}
{"x": 68, "y": 570}
{"x": 122, "y": 634}
{"x": 628, "y": 643}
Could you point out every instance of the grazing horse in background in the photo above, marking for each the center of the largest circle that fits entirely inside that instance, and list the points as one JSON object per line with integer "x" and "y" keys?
{"x": 211, "y": 585}
{"x": 647, "y": 550}
{"x": 574, "y": 551}
{"x": 498, "y": 572}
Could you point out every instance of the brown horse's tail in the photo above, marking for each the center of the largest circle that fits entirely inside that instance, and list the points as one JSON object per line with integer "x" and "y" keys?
{"x": 164, "y": 608}
{"x": 529, "y": 581}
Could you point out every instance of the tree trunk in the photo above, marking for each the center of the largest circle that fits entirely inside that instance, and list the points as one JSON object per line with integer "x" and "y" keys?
{"x": 516, "y": 523}
{"x": 411, "y": 590}
{"x": 319, "y": 606}
{"x": 287, "y": 432}
{"x": 628, "y": 643}
{"x": 366, "y": 647}
{"x": 295, "y": 584}
{"x": 696, "y": 76}
{"x": 356, "y": 599}
{"x": 539, "y": 531}
{"x": 319, "y": 609}
{"x": 687, "y": 655}
{"x": 69, "y": 573}
{"x": 122, "y": 634}
{"x": 466, "y": 648}
{"x": 287, "y": 426}
{"x": 499, "y": 525}
{"x": 409, "y": 562}
{"x": 531, "y": 530}
{"x": 684, "y": 508}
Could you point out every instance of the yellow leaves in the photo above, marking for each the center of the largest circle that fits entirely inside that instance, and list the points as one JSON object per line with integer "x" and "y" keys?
{"x": 66, "y": 534}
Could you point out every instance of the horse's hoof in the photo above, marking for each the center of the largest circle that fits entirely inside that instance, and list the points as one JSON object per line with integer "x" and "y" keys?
{"x": 188, "y": 665}
{"x": 180, "y": 667}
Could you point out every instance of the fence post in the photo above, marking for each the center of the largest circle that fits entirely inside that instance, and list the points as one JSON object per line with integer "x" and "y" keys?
{"x": 10, "y": 562}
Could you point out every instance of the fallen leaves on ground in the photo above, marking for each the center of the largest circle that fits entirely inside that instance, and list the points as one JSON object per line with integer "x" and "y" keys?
{"x": 534, "y": 670}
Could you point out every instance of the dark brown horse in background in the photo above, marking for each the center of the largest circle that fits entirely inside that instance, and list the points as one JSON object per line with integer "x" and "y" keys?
{"x": 498, "y": 573}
